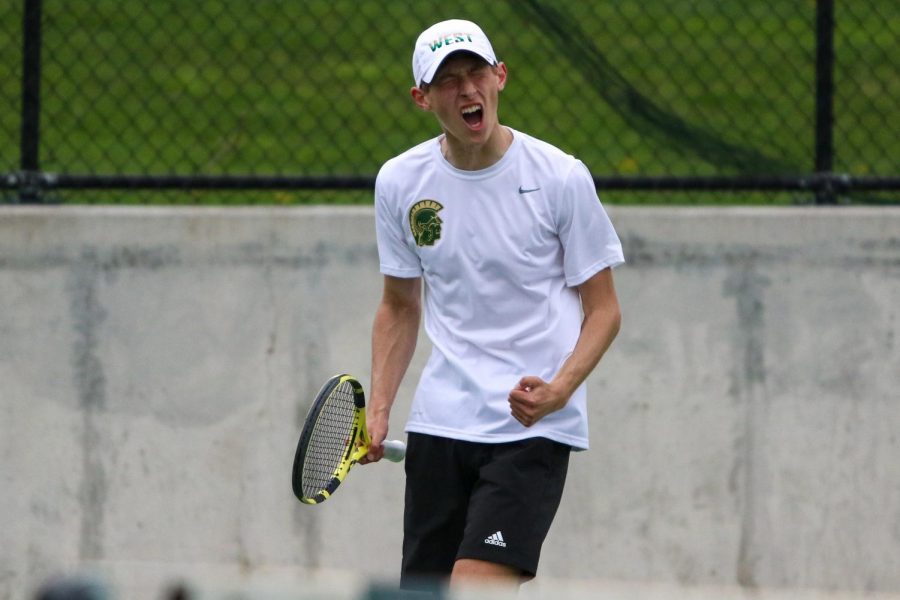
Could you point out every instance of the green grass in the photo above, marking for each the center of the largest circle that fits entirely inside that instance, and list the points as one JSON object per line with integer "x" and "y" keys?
{"x": 319, "y": 87}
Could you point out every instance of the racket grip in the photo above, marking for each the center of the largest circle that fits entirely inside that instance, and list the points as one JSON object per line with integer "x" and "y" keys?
{"x": 394, "y": 450}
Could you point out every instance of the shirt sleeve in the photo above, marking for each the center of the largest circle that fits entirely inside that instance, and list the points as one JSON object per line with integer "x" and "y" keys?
{"x": 589, "y": 240}
{"x": 395, "y": 256}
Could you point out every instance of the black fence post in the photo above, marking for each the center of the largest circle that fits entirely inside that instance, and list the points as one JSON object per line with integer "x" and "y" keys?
{"x": 30, "y": 177}
{"x": 824, "y": 159}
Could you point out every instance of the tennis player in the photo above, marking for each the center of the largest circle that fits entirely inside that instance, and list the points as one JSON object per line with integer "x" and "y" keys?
{"x": 506, "y": 239}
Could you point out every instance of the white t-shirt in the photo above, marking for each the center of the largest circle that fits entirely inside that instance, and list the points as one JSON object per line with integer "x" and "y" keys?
{"x": 499, "y": 251}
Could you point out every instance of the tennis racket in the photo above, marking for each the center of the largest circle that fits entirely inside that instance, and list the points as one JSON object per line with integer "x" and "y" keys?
{"x": 334, "y": 438}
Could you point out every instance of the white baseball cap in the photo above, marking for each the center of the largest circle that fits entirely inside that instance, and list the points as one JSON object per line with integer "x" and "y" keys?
{"x": 441, "y": 40}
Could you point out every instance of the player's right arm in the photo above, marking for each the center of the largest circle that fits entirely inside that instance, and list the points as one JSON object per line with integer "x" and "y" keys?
{"x": 394, "y": 335}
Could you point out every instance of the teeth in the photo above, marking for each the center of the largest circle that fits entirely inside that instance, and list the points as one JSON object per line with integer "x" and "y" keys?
{"x": 470, "y": 109}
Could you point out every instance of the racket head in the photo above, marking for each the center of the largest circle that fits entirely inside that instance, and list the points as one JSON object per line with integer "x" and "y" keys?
{"x": 333, "y": 439}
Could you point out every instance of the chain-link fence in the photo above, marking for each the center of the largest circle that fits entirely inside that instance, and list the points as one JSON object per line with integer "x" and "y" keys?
{"x": 796, "y": 96}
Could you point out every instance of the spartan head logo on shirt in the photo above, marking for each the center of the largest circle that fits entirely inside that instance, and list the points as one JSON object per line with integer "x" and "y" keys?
{"x": 425, "y": 223}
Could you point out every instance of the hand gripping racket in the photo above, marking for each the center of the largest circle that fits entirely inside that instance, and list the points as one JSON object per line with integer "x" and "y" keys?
{"x": 334, "y": 438}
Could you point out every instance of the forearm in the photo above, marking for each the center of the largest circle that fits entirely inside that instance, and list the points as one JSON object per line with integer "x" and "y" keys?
{"x": 598, "y": 330}
{"x": 533, "y": 398}
{"x": 394, "y": 334}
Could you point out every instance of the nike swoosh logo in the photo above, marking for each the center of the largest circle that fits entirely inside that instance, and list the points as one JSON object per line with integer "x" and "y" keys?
{"x": 528, "y": 191}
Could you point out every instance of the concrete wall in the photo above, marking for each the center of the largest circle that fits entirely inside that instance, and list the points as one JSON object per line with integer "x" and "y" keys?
{"x": 156, "y": 363}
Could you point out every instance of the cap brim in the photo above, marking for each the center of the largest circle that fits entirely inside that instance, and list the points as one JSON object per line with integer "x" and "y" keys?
{"x": 428, "y": 76}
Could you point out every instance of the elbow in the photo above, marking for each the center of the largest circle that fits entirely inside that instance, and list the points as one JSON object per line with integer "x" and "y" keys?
{"x": 604, "y": 324}
{"x": 611, "y": 316}
{"x": 615, "y": 320}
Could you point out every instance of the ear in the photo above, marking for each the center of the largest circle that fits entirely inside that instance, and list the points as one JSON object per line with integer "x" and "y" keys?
{"x": 420, "y": 98}
{"x": 502, "y": 73}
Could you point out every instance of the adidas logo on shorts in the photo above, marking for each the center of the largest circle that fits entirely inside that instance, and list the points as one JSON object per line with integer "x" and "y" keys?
{"x": 495, "y": 539}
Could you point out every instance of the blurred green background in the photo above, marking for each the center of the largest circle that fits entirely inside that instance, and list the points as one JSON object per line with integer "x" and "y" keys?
{"x": 321, "y": 87}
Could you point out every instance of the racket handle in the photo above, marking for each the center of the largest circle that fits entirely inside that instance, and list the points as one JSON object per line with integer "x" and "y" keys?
{"x": 394, "y": 450}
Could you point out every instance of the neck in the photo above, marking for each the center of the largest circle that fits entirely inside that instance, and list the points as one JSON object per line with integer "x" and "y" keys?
{"x": 474, "y": 157}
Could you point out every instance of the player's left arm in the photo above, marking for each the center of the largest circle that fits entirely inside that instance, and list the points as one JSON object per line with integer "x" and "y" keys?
{"x": 533, "y": 398}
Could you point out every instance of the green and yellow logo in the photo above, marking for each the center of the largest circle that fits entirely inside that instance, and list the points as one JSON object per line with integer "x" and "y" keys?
{"x": 425, "y": 223}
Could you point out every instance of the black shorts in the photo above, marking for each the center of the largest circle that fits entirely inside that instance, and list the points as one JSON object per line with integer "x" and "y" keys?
{"x": 492, "y": 502}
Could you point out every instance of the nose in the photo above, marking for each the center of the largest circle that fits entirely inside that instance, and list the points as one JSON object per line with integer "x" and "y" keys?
{"x": 466, "y": 86}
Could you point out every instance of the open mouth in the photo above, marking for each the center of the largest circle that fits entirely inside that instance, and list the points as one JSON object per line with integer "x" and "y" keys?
{"x": 473, "y": 115}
